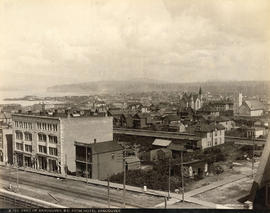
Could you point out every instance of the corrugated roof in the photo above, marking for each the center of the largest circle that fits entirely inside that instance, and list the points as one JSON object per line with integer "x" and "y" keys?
{"x": 254, "y": 104}
{"x": 161, "y": 142}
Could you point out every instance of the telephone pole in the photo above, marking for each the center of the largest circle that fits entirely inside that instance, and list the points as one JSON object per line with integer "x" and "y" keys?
{"x": 124, "y": 179}
{"x": 169, "y": 181}
{"x": 108, "y": 192}
{"x": 253, "y": 150}
{"x": 182, "y": 177}
{"x": 86, "y": 172}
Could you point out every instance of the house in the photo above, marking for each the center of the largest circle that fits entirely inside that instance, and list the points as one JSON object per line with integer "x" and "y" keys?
{"x": 141, "y": 120}
{"x": 116, "y": 114}
{"x": 223, "y": 120}
{"x": 98, "y": 160}
{"x": 208, "y": 110}
{"x": 132, "y": 163}
{"x": 221, "y": 105}
{"x": 260, "y": 191}
{"x": 126, "y": 120}
{"x": 251, "y": 108}
{"x": 160, "y": 154}
{"x": 252, "y": 132}
{"x": 195, "y": 168}
{"x": 211, "y": 134}
{"x": 171, "y": 119}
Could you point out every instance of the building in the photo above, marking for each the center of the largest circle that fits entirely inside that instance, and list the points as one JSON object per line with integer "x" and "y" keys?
{"x": 260, "y": 191}
{"x": 44, "y": 142}
{"x": 6, "y": 152}
{"x": 98, "y": 160}
{"x": 192, "y": 100}
{"x": 237, "y": 102}
{"x": 251, "y": 108}
{"x": 211, "y": 135}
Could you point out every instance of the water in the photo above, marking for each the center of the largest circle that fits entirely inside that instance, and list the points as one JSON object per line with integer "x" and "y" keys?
{"x": 38, "y": 93}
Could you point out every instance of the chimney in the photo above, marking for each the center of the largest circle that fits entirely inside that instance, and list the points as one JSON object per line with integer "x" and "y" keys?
{"x": 95, "y": 140}
{"x": 29, "y": 112}
{"x": 19, "y": 111}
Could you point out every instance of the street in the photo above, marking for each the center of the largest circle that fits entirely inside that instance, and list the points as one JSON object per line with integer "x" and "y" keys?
{"x": 69, "y": 193}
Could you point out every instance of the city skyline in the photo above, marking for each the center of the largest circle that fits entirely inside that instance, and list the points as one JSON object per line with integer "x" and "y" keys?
{"x": 62, "y": 42}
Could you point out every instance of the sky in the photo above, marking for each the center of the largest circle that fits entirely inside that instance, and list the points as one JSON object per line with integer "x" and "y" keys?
{"x": 45, "y": 43}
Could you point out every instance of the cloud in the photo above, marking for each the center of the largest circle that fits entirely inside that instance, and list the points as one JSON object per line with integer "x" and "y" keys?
{"x": 75, "y": 41}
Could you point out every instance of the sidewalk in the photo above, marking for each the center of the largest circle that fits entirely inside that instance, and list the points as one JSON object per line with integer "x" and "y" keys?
{"x": 174, "y": 196}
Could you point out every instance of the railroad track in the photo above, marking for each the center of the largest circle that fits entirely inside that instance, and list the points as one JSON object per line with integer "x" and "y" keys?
{"x": 98, "y": 195}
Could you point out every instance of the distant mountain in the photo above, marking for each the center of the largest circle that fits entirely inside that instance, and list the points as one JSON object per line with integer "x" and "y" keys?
{"x": 249, "y": 88}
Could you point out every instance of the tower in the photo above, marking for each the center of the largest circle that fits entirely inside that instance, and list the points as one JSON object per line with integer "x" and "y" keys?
{"x": 237, "y": 102}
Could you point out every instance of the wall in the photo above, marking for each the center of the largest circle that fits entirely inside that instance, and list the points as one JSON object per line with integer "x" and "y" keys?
{"x": 256, "y": 112}
{"x": 101, "y": 169}
{"x": 85, "y": 130}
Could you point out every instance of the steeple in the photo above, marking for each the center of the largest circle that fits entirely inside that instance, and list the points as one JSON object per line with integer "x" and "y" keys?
{"x": 200, "y": 91}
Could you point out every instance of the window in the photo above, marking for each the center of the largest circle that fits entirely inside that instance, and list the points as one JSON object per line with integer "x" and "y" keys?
{"x": 16, "y": 124}
{"x": 44, "y": 126}
{"x": 30, "y": 125}
{"x": 28, "y": 136}
{"x": 25, "y": 125}
{"x": 52, "y": 139}
{"x": 215, "y": 132}
{"x": 50, "y": 127}
{"x": 52, "y": 151}
{"x": 42, "y": 137}
{"x": 28, "y": 148}
{"x": 55, "y": 127}
{"x": 39, "y": 125}
{"x": 215, "y": 141}
{"x": 19, "y": 146}
{"x": 20, "y": 124}
{"x": 19, "y": 135}
{"x": 42, "y": 149}
{"x": 112, "y": 156}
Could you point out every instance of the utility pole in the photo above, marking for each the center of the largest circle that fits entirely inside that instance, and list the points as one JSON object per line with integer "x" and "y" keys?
{"x": 124, "y": 180}
{"x": 253, "y": 150}
{"x": 169, "y": 180}
{"x": 182, "y": 177}
{"x": 108, "y": 191}
{"x": 86, "y": 172}
{"x": 17, "y": 175}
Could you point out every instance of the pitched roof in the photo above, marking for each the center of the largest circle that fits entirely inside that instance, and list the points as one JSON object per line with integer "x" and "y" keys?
{"x": 172, "y": 117}
{"x": 176, "y": 147}
{"x": 108, "y": 146}
{"x": 161, "y": 142}
{"x": 208, "y": 128}
{"x": 132, "y": 159}
{"x": 141, "y": 115}
{"x": 254, "y": 104}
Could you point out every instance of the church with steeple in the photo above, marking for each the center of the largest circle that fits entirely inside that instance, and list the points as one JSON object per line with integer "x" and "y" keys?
{"x": 192, "y": 100}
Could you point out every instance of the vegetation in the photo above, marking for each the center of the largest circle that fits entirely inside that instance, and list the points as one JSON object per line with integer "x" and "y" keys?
{"x": 156, "y": 179}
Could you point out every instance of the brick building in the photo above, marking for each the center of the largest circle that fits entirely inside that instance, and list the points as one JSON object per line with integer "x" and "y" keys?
{"x": 46, "y": 142}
